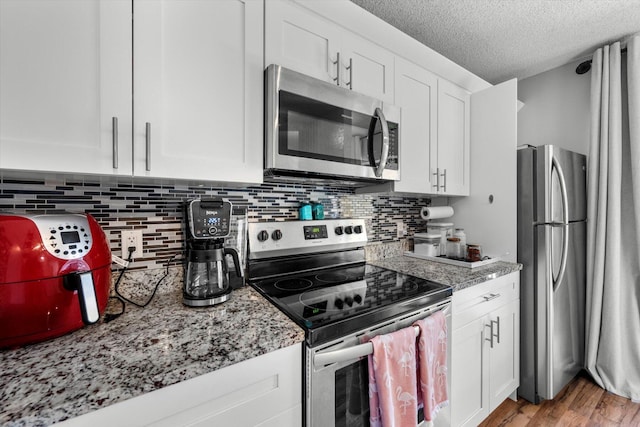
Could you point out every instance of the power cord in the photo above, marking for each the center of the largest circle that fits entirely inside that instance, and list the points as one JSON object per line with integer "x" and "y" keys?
{"x": 112, "y": 316}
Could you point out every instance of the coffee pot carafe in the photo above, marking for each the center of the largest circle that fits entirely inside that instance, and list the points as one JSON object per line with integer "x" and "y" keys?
{"x": 206, "y": 280}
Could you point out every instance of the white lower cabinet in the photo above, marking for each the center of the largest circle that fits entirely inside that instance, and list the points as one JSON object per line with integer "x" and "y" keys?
{"x": 265, "y": 391}
{"x": 485, "y": 362}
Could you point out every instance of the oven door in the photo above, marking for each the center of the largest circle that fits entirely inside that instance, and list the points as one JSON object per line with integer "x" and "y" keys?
{"x": 337, "y": 388}
{"x": 318, "y": 128}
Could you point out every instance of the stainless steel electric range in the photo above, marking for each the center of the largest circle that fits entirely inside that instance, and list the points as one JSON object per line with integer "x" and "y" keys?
{"x": 315, "y": 272}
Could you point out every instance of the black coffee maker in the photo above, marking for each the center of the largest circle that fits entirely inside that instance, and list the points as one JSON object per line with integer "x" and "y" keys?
{"x": 206, "y": 277}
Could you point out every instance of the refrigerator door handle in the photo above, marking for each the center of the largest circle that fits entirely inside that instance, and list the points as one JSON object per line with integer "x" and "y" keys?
{"x": 565, "y": 220}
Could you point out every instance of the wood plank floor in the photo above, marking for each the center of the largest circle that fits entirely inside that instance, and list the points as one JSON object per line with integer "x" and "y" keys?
{"x": 580, "y": 403}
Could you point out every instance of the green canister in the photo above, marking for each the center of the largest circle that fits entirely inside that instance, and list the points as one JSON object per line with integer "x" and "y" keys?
{"x": 305, "y": 212}
{"x": 317, "y": 210}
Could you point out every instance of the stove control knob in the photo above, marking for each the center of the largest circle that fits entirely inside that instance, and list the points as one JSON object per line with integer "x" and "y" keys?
{"x": 276, "y": 235}
{"x": 348, "y": 301}
{"x": 339, "y": 303}
{"x": 339, "y": 231}
{"x": 263, "y": 236}
{"x": 348, "y": 229}
{"x": 357, "y": 229}
{"x": 357, "y": 298}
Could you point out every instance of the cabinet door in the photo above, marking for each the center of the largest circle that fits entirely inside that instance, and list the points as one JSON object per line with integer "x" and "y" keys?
{"x": 504, "y": 371}
{"x": 65, "y": 73}
{"x": 453, "y": 139}
{"x": 469, "y": 367}
{"x": 263, "y": 391}
{"x": 198, "y": 89}
{"x": 494, "y": 122}
{"x": 367, "y": 67}
{"x": 416, "y": 95}
{"x": 301, "y": 41}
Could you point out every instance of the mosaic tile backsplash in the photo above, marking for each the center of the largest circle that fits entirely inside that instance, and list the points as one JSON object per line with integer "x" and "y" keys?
{"x": 156, "y": 209}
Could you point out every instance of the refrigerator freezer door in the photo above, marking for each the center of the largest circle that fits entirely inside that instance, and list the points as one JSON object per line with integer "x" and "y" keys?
{"x": 560, "y": 312}
{"x": 552, "y": 163}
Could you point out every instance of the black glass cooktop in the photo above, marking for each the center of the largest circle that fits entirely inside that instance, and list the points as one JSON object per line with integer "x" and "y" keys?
{"x": 334, "y": 302}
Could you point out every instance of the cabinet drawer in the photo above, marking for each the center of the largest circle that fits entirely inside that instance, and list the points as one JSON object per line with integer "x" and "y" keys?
{"x": 471, "y": 303}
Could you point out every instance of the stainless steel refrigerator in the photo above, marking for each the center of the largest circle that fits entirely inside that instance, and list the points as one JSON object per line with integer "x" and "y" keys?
{"x": 552, "y": 215}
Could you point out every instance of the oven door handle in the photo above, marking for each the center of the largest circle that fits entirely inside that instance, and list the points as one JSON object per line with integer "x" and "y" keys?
{"x": 357, "y": 351}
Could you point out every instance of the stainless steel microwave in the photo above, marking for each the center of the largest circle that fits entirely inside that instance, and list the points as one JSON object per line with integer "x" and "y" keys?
{"x": 317, "y": 129}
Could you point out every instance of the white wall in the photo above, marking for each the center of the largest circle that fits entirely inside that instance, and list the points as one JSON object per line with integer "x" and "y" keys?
{"x": 556, "y": 109}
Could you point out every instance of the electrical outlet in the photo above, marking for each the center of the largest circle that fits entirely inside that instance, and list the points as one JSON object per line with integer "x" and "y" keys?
{"x": 400, "y": 229}
{"x": 130, "y": 238}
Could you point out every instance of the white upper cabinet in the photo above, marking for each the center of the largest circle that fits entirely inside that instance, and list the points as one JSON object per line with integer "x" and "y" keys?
{"x": 65, "y": 74}
{"x": 303, "y": 41}
{"x": 450, "y": 158}
{"x": 434, "y": 134}
{"x": 67, "y": 82}
{"x": 198, "y": 89}
{"x": 367, "y": 67}
{"x": 417, "y": 95}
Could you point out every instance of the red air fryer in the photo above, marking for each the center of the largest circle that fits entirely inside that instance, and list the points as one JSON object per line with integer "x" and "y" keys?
{"x": 55, "y": 274}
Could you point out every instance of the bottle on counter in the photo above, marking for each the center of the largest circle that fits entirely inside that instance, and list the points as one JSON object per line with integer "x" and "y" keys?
{"x": 474, "y": 253}
{"x": 305, "y": 211}
{"x": 459, "y": 233}
{"x": 453, "y": 248}
{"x": 317, "y": 210}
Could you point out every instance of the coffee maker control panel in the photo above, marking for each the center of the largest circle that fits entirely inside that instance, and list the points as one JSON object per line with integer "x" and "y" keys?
{"x": 209, "y": 219}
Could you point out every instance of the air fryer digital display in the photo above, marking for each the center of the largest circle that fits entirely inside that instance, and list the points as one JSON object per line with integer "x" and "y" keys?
{"x": 70, "y": 237}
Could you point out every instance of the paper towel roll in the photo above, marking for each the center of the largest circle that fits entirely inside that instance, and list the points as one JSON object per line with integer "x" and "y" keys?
{"x": 436, "y": 212}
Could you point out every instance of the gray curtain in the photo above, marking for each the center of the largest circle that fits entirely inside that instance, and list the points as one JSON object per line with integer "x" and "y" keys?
{"x": 613, "y": 231}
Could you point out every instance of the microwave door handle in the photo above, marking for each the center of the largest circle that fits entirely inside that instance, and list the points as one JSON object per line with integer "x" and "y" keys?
{"x": 384, "y": 154}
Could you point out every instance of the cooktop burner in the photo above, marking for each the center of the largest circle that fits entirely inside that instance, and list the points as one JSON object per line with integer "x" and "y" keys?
{"x": 293, "y": 285}
{"x": 332, "y": 277}
{"x": 341, "y": 300}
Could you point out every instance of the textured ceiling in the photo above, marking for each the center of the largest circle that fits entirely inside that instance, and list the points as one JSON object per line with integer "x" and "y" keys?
{"x": 501, "y": 39}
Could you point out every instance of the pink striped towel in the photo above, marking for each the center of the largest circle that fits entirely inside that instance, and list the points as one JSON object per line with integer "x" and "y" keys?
{"x": 432, "y": 363}
{"x": 393, "y": 379}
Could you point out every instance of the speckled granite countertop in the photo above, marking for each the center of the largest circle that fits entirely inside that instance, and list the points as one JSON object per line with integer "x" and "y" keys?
{"x": 163, "y": 344}
{"x": 143, "y": 350}
{"x": 457, "y": 277}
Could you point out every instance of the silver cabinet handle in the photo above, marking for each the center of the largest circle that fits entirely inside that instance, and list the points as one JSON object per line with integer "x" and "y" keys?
{"x": 490, "y": 339}
{"x": 444, "y": 175}
{"x": 494, "y": 334}
{"x": 114, "y": 141}
{"x": 437, "y": 175}
{"x": 489, "y": 297}
{"x": 384, "y": 153}
{"x": 148, "y": 145}
{"x": 350, "y": 68}
{"x": 337, "y": 64}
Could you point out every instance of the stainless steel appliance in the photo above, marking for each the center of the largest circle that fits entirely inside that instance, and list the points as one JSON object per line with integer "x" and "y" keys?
{"x": 316, "y": 129}
{"x": 206, "y": 280}
{"x": 315, "y": 272}
{"x": 552, "y": 215}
